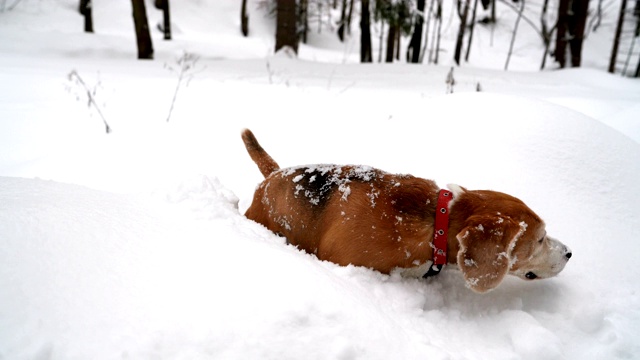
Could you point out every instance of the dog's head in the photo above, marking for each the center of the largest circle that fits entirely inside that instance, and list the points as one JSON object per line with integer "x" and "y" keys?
{"x": 500, "y": 235}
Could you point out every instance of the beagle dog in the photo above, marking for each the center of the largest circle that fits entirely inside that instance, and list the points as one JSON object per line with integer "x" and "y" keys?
{"x": 363, "y": 216}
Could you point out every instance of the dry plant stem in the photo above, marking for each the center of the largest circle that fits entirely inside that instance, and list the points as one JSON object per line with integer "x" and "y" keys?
{"x": 175, "y": 95}
{"x": 270, "y": 73}
{"x": 186, "y": 71}
{"x": 92, "y": 101}
{"x": 450, "y": 81}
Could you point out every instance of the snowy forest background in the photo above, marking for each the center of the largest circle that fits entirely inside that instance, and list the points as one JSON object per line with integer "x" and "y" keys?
{"x": 412, "y": 29}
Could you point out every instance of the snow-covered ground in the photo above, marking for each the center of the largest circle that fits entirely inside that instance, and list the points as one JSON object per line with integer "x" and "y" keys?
{"x": 132, "y": 245}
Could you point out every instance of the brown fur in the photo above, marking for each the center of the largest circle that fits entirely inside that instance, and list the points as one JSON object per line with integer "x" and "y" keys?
{"x": 366, "y": 217}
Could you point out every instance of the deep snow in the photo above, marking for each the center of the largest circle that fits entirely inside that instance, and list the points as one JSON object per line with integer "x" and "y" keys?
{"x": 132, "y": 244}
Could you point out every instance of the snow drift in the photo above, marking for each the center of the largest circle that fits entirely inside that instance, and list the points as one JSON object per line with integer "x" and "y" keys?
{"x": 182, "y": 274}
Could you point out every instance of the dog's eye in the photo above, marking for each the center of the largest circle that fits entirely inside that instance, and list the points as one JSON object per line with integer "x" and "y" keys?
{"x": 530, "y": 275}
{"x": 541, "y": 240}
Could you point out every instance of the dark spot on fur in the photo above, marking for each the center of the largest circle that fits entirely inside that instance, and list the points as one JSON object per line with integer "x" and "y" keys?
{"x": 316, "y": 184}
{"x": 313, "y": 187}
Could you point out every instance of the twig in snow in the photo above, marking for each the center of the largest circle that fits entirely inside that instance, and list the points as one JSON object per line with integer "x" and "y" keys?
{"x": 186, "y": 69}
{"x": 450, "y": 81}
{"x": 91, "y": 96}
{"x": 270, "y": 72}
{"x": 11, "y": 7}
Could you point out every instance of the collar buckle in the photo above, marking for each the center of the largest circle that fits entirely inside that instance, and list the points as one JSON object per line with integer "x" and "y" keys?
{"x": 441, "y": 228}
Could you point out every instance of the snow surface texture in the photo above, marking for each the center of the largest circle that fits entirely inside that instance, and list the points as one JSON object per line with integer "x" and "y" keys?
{"x": 132, "y": 245}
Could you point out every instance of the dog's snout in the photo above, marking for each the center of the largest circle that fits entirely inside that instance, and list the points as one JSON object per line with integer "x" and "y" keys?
{"x": 567, "y": 252}
{"x": 560, "y": 248}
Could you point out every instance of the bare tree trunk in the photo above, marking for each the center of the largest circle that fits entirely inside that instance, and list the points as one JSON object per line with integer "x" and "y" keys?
{"x": 546, "y": 32}
{"x": 461, "y": 30}
{"x": 426, "y": 32}
{"x": 598, "y": 17}
{"x": 493, "y": 11}
{"x": 143, "y": 37}
{"x": 629, "y": 55}
{"x": 579, "y": 9}
{"x": 286, "y": 25}
{"x": 319, "y": 17}
{"x": 391, "y": 42}
{"x": 513, "y": 36}
{"x": 244, "y": 19}
{"x": 397, "y": 50}
{"x": 616, "y": 40}
{"x": 471, "y": 28}
{"x": 572, "y": 19}
{"x": 437, "y": 55}
{"x": 166, "y": 18}
{"x": 349, "y": 15}
{"x": 413, "y": 50}
{"x": 381, "y": 41}
{"x": 636, "y": 13}
{"x": 86, "y": 11}
{"x": 365, "y": 32}
{"x": 304, "y": 18}
{"x": 343, "y": 20}
{"x": 562, "y": 32}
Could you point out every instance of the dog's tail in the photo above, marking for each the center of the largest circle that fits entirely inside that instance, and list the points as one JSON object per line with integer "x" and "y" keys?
{"x": 265, "y": 163}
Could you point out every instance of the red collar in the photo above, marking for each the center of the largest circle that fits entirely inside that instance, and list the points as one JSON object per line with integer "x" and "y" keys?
{"x": 441, "y": 228}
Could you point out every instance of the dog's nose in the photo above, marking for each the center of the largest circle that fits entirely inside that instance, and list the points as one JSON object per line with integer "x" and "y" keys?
{"x": 568, "y": 255}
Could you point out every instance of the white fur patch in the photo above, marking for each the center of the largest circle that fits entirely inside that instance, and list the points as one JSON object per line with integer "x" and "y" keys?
{"x": 415, "y": 272}
{"x": 457, "y": 190}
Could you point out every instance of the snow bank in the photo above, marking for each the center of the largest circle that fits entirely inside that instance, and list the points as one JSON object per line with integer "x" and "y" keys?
{"x": 182, "y": 274}
{"x": 88, "y": 274}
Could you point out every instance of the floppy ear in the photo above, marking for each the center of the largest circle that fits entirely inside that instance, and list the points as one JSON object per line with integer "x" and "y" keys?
{"x": 485, "y": 250}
